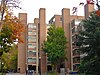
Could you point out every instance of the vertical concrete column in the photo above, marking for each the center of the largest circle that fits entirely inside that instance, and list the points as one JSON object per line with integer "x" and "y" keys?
{"x": 36, "y": 21}
{"x": 66, "y": 27}
{"x": 22, "y": 46}
{"x": 88, "y": 8}
{"x": 42, "y": 38}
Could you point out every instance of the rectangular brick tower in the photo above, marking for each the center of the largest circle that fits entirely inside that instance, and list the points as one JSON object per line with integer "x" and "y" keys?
{"x": 66, "y": 27}
{"x": 22, "y": 46}
{"x": 42, "y": 38}
{"x": 88, "y": 8}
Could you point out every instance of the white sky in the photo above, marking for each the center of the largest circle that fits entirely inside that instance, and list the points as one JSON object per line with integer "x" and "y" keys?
{"x": 31, "y": 7}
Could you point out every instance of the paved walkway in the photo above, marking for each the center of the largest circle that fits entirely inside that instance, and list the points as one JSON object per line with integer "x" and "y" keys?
{"x": 15, "y": 74}
{"x": 20, "y": 74}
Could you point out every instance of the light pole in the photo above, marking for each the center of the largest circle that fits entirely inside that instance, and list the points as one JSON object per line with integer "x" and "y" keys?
{"x": 2, "y": 64}
{"x": 40, "y": 66}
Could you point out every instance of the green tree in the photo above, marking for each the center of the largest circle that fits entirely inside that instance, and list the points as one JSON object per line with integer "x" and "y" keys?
{"x": 55, "y": 46}
{"x": 5, "y": 40}
{"x": 10, "y": 58}
{"x": 89, "y": 45}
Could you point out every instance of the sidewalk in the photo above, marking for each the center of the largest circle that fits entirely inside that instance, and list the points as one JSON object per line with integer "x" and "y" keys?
{"x": 15, "y": 74}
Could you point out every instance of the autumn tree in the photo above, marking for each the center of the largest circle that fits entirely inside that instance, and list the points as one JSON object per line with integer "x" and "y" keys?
{"x": 55, "y": 46}
{"x": 7, "y": 4}
{"x": 12, "y": 29}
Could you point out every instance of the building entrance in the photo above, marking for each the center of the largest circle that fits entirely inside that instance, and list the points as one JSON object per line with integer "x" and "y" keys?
{"x": 32, "y": 67}
{"x": 49, "y": 68}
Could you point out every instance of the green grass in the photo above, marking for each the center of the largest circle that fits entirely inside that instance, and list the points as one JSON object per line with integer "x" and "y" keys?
{"x": 53, "y": 73}
{"x": 56, "y": 73}
{"x": 2, "y": 74}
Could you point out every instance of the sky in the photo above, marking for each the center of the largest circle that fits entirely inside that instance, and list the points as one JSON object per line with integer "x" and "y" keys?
{"x": 31, "y": 7}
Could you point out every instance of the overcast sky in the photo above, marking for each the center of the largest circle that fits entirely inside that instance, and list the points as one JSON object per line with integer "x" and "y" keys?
{"x": 31, "y": 7}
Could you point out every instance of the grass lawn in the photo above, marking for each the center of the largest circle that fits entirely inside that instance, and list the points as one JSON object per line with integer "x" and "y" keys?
{"x": 2, "y": 74}
{"x": 53, "y": 73}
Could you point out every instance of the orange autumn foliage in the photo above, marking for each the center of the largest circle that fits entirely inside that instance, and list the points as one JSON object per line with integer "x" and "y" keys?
{"x": 98, "y": 12}
{"x": 15, "y": 25}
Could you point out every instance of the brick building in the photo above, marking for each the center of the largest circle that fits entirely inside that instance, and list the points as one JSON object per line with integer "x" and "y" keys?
{"x": 30, "y": 54}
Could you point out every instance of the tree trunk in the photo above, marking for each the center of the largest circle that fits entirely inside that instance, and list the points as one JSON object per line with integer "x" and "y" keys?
{"x": 1, "y": 54}
{"x": 54, "y": 67}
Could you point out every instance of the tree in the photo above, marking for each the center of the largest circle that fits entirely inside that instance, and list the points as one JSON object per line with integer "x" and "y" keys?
{"x": 12, "y": 29}
{"x": 7, "y": 4}
{"x": 55, "y": 46}
{"x": 10, "y": 59}
{"x": 89, "y": 45}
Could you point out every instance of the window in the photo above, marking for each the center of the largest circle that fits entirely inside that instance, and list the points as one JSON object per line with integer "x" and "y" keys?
{"x": 32, "y": 53}
{"x": 76, "y": 67}
{"x": 73, "y": 30}
{"x": 30, "y": 26}
{"x": 76, "y": 29}
{"x": 34, "y": 26}
{"x": 29, "y": 37}
{"x": 60, "y": 18}
{"x": 32, "y": 60}
{"x": 34, "y": 33}
{"x": 76, "y": 52}
{"x": 31, "y": 46}
{"x": 32, "y": 39}
{"x": 30, "y": 33}
{"x": 31, "y": 30}
{"x": 77, "y": 22}
{"x": 76, "y": 60}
